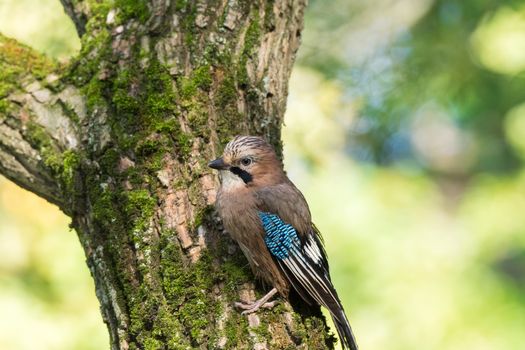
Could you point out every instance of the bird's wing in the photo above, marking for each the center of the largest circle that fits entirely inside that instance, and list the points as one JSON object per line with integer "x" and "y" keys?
{"x": 288, "y": 203}
{"x": 290, "y": 207}
{"x": 303, "y": 260}
{"x": 305, "y": 265}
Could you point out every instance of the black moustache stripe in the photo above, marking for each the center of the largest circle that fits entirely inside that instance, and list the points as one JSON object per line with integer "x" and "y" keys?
{"x": 243, "y": 174}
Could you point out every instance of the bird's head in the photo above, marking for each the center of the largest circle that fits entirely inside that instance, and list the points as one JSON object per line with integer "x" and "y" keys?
{"x": 248, "y": 161}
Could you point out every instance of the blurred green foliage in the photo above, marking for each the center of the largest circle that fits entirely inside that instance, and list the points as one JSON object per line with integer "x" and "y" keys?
{"x": 463, "y": 59}
{"x": 47, "y": 296}
{"x": 406, "y": 131}
{"x": 41, "y": 24}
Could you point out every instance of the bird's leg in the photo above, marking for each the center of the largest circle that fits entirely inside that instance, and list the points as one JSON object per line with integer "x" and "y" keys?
{"x": 263, "y": 302}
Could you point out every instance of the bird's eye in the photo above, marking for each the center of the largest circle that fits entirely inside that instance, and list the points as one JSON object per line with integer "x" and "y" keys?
{"x": 246, "y": 161}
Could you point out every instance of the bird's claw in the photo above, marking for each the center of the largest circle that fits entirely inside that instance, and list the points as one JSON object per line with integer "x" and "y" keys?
{"x": 253, "y": 307}
{"x": 256, "y": 305}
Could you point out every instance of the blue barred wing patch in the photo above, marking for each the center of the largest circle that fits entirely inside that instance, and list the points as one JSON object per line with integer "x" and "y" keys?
{"x": 281, "y": 238}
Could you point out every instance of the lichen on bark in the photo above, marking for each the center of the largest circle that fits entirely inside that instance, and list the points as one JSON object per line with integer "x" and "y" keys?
{"x": 157, "y": 90}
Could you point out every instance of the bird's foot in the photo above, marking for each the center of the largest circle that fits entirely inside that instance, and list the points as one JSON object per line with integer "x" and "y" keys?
{"x": 253, "y": 307}
{"x": 261, "y": 303}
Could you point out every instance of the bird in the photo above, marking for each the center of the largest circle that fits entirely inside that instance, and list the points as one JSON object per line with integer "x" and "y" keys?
{"x": 269, "y": 218}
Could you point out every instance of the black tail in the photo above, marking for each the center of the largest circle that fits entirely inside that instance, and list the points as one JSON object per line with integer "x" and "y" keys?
{"x": 346, "y": 335}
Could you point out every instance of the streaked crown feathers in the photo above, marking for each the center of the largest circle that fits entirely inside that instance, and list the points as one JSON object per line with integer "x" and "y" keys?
{"x": 242, "y": 146}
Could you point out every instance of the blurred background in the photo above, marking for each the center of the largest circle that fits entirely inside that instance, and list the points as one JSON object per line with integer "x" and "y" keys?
{"x": 405, "y": 130}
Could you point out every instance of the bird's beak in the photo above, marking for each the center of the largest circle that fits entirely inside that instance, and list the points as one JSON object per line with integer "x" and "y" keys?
{"x": 218, "y": 164}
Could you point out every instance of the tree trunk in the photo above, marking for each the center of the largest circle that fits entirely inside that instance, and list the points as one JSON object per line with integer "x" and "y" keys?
{"x": 119, "y": 139}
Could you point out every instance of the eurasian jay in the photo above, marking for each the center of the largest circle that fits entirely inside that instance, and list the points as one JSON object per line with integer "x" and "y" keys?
{"x": 270, "y": 220}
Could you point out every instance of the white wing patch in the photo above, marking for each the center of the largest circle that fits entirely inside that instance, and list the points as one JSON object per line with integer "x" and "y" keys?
{"x": 312, "y": 250}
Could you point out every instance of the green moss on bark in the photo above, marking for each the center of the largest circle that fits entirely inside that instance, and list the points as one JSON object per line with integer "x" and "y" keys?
{"x": 63, "y": 165}
{"x": 139, "y": 207}
{"x": 133, "y": 9}
{"x": 253, "y": 36}
{"x": 17, "y": 61}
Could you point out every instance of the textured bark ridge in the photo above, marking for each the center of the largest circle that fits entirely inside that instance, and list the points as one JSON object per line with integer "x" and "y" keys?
{"x": 119, "y": 139}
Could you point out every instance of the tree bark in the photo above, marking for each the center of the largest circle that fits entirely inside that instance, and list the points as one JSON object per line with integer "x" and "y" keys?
{"x": 119, "y": 139}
